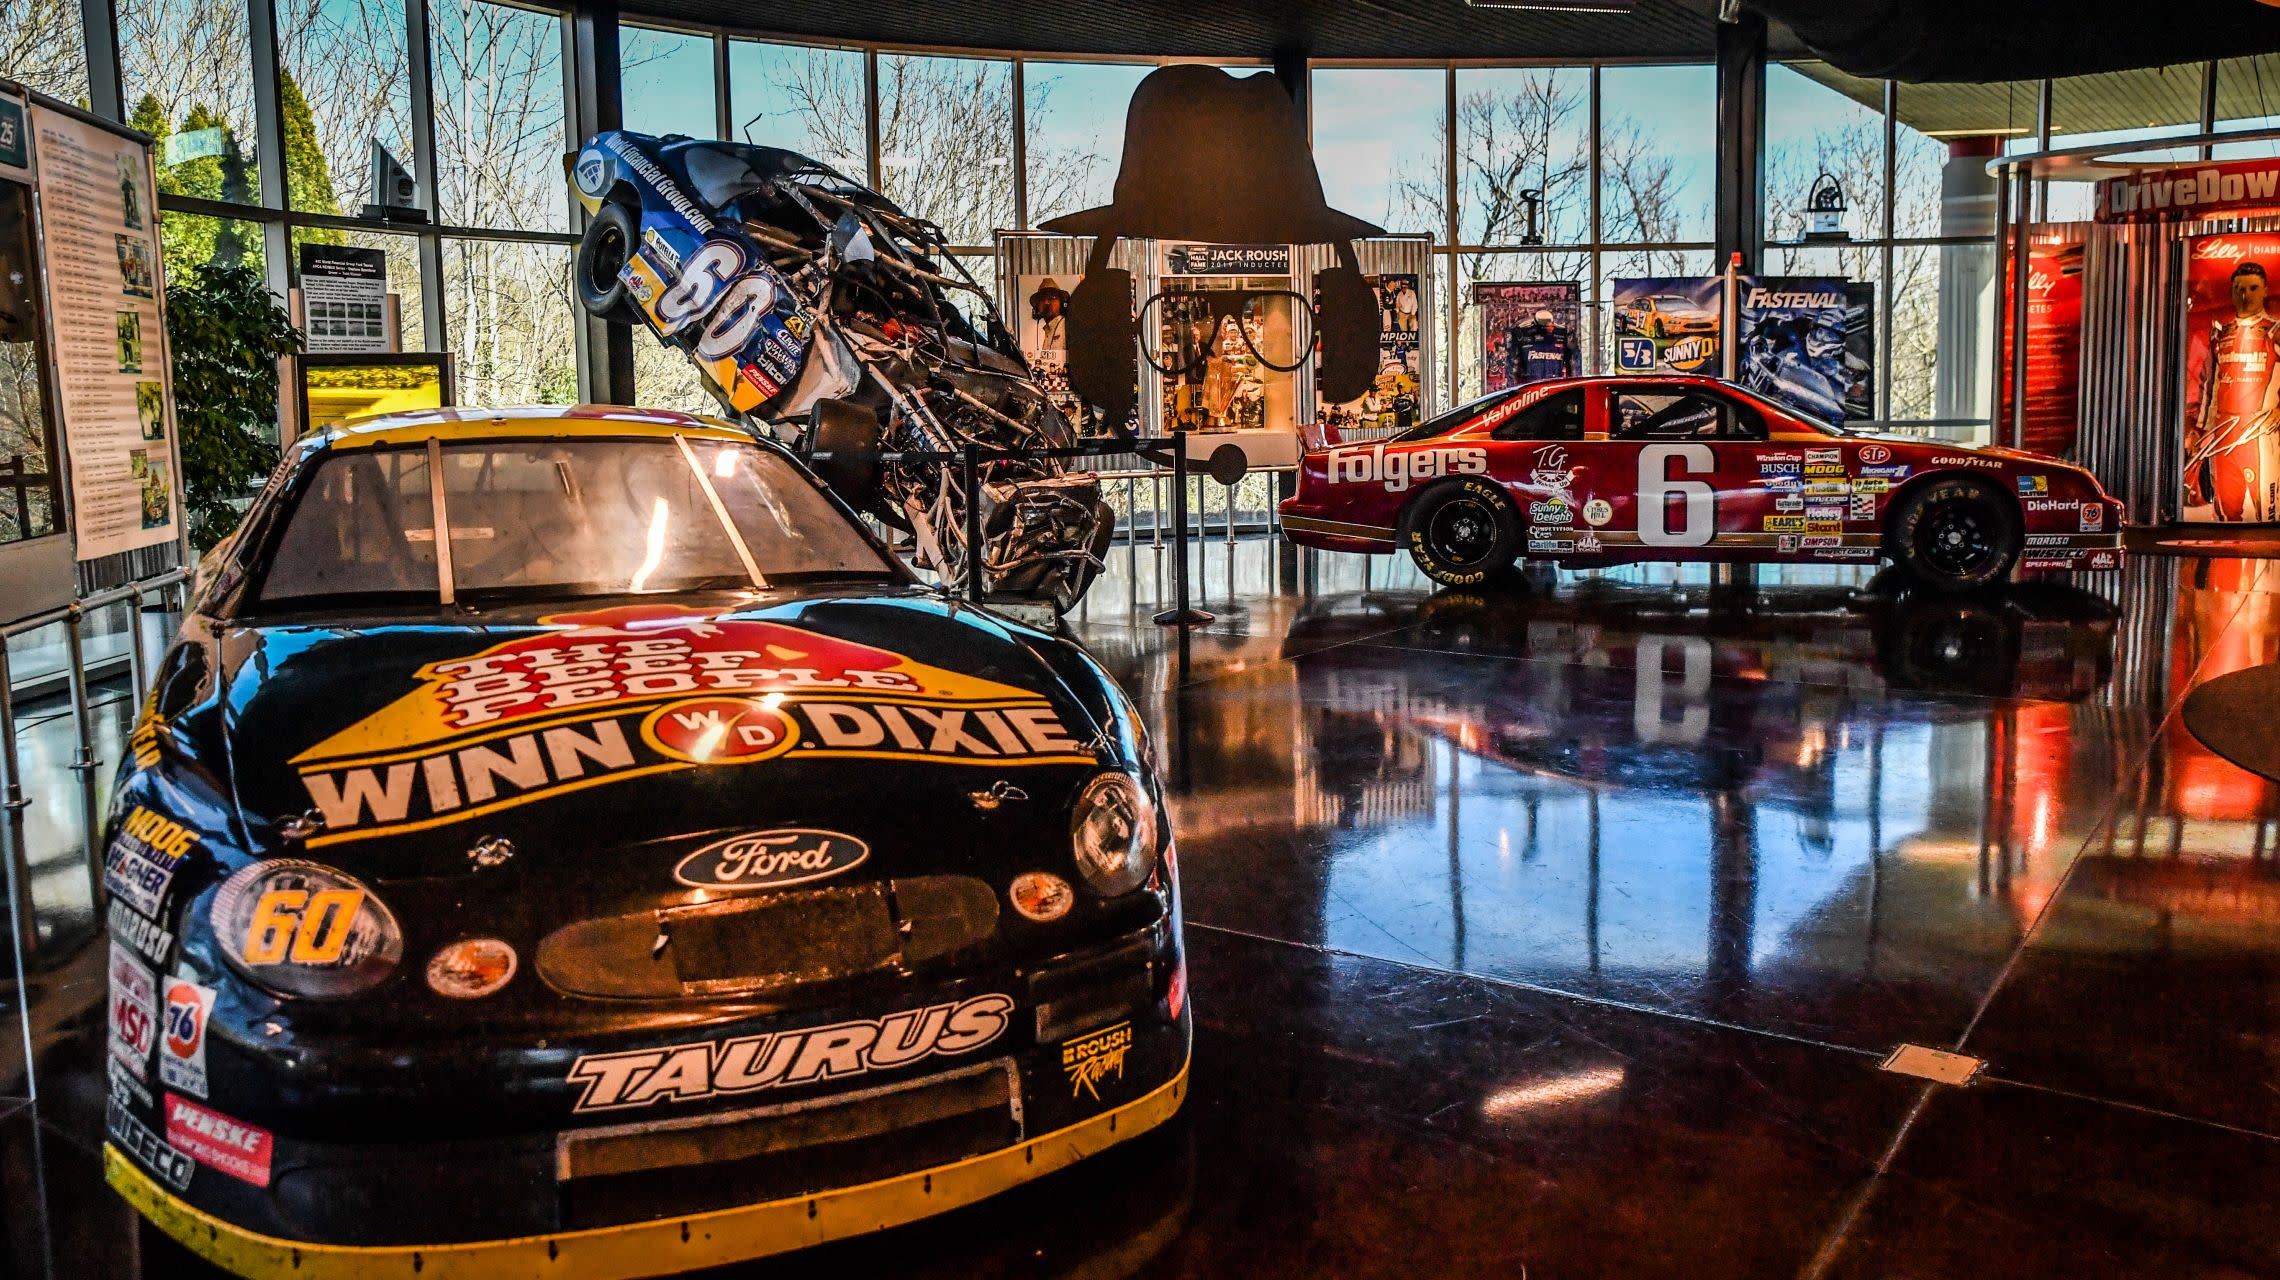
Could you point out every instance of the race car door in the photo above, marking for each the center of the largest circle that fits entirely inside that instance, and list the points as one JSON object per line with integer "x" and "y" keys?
{"x": 1686, "y": 473}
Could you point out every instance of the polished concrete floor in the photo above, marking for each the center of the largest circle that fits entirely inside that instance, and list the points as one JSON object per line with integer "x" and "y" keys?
{"x": 1565, "y": 932}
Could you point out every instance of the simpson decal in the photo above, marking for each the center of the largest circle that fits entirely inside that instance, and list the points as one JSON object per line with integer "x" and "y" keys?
{"x": 631, "y": 692}
{"x": 182, "y": 1047}
{"x": 1399, "y": 468}
{"x": 134, "y": 1012}
{"x": 1820, "y": 543}
{"x": 142, "y": 859}
{"x": 771, "y": 859}
{"x": 708, "y": 1068}
{"x": 217, "y": 1141}
{"x": 1089, "y": 1059}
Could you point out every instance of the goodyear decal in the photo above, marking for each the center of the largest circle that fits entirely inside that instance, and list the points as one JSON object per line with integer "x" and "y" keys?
{"x": 630, "y": 692}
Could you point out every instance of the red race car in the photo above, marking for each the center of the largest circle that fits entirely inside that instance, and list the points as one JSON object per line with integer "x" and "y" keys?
{"x": 1593, "y": 471}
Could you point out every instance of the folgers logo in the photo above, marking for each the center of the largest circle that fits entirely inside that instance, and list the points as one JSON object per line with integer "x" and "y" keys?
{"x": 1398, "y": 469}
{"x": 627, "y": 693}
{"x": 771, "y": 859}
{"x": 710, "y": 1068}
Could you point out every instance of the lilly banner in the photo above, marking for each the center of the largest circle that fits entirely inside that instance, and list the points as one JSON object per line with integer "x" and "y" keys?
{"x": 2232, "y": 460}
{"x": 1807, "y": 342}
{"x": 1667, "y": 324}
{"x": 2054, "y": 341}
{"x": 1528, "y": 331}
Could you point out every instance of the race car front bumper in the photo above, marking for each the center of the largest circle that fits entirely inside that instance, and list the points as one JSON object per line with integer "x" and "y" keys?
{"x": 1095, "y": 1053}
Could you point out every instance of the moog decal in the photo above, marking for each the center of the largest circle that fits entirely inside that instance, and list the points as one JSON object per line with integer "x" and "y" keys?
{"x": 630, "y": 692}
{"x": 709, "y": 1068}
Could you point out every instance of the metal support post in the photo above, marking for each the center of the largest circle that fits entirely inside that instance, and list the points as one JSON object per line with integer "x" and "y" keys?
{"x": 975, "y": 551}
{"x": 1182, "y": 616}
{"x": 85, "y": 764}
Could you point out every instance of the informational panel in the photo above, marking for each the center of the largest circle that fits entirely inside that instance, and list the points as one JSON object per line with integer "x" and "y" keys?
{"x": 1036, "y": 274}
{"x": 1529, "y": 331}
{"x": 1395, "y": 400}
{"x": 1795, "y": 344}
{"x": 36, "y": 572}
{"x": 1224, "y": 326}
{"x": 2231, "y": 400}
{"x": 344, "y": 299}
{"x": 1667, "y": 324}
{"x": 107, "y": 337}
{"x": 2054, "y": 342}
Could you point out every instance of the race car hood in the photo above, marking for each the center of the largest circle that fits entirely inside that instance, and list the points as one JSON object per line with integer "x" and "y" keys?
{"x": 393, "y": 750}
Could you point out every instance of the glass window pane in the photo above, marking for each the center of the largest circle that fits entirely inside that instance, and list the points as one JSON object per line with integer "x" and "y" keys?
{"x": 668, "y": 82}
{"x": 1524, "y": 129}
{"x": 188, "y": 80}
{"x": 403, "y": 274}
{"x": 2248, "y": 97}
{"x": 508, "y": 309}
{"x": 1380, "y": 147}
{"x": 41, "y": 48}
{"x": 1942, "y": 306}
{"x": 1075, "y": 115}
{"x": 498, "y": 117}
{"x": 2120, "y": 106}
{"x": 664, "y": 378}
{"x": 343, "y": 83}
{"x": 1658, "y": 150}
{"x": 364, "y": 525}
{"x": 188, "y": 241}
{"x": 1820, "y": 120}
{"x": 804, "y": 100}
{"x": 28, "y": 478}
{"x": 1945, "y": 135}
{"x": 946, "y": 142}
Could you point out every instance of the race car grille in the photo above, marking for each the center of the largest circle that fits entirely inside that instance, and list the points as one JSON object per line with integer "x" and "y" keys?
{"x": 770, "y": 942}
{"x": 672, "y": 1168}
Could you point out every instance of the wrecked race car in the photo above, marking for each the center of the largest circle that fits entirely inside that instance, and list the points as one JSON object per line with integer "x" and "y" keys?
{"x": 820, "y": 312}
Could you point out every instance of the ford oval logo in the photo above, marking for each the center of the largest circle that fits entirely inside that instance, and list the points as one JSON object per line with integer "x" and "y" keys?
{"x": 771, "y": 859}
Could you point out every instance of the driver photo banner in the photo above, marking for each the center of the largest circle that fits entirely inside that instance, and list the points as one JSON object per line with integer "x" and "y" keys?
{"x": 1808, "y": 341}
{"x": 2231, "y": 463}
{"x": 1528, "y": 331}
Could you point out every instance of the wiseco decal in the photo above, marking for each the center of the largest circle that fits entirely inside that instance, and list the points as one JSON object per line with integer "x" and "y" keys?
{"x": 708, "y": 1068}
{"x": 504, "y": 769}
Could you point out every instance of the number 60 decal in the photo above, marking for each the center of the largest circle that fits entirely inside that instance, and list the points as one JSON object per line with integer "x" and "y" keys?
{"x": 1698, "y": 520}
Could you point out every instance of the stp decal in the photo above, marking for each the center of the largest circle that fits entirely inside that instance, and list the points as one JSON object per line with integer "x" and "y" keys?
{"x": 1874, "y": 453}
{"x": 707, "y": 1068}
{"x": 630, "y": 692}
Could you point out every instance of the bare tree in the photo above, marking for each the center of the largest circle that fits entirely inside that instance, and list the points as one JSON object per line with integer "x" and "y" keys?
{"x": 39, "y": 46}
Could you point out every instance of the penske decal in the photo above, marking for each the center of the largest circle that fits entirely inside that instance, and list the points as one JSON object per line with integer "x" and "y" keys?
{"x": 627, "y": 693}
{"x": 710, "y": 1068}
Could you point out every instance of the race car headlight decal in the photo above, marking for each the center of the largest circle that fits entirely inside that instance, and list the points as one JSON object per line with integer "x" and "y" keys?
{"x": 1114, "y": 831}
{"x": 300, "y": 928}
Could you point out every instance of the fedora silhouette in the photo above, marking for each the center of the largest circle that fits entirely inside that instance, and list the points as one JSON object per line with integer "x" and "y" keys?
{"x": 1208, "y": 157}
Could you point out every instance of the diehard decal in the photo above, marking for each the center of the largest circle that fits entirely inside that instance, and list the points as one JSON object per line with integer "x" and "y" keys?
{"x": 218, "y": 1141}
{"x": 2040, "y": 505}
{"x": 708, "y": 1068}
{"x": 134, "y": 1012}
{"x": 631, "y": 692}
{"x": 1088, "y": 1059}
{"x": 182, "y": 1047}
{"x": 770, "y": 859}
{"x": 142, "y": 859}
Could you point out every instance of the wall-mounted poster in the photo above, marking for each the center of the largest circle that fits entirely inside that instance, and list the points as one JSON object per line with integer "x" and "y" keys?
{"x": 344, "y": 298}
{"x": 1392, "y": 401}
{"x": 1795, "y": 343}
{"x": 106, "y": 333}
{"x": 2232, "y": 459}
{"x": 1667, "y": 324}
{"x": 1041, "y": 322}
{"x": 2054, "y": 343}
{"x": 1528, "y": 331}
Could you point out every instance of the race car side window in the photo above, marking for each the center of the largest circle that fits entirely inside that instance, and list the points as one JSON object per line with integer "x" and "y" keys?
{"x": 1681, "y": 413}
{"x": 1558, "y": 417}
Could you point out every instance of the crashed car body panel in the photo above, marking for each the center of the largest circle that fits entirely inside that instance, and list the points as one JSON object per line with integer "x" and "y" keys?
{"x": 628, "y": 923}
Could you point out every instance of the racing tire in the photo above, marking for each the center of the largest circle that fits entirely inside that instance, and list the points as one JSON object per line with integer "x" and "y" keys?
{"x": 1955, "y": 535}
{"x": 1462, "y": 533}
{"x": 602, "y": 251}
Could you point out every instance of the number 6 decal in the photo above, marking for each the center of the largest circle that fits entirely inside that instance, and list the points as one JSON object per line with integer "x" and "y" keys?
{"x": 1700, "y": 521}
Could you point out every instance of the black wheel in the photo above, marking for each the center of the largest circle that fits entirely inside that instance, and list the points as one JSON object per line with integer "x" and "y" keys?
{"x": 1462, "y": 532}
{"x": 1955, "y": 535}
{"x": 602, "y": 253}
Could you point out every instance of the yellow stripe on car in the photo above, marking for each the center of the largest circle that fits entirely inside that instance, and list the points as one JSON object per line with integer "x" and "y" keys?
{"x": 660, "y": 1247}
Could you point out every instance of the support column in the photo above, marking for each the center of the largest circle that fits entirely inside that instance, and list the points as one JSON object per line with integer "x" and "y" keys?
{"x": 605, "y": 366}
{"x": 1740, "y": 214}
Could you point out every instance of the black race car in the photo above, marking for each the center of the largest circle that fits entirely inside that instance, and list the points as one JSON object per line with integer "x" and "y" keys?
{"x": 645, "y": 874}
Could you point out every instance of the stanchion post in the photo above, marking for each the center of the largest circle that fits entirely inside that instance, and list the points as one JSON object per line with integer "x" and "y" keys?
{"x": 12, "y": 806}
{"x": 975, "y": 551}
{"x": 83, "y": 720}
{"x": 1183, "y": 616}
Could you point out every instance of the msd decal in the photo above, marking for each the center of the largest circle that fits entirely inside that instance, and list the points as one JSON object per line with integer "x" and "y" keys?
{"x": 637, "y": 691}
{"x": 1399, "y": 468}
{"x": 134, "y": 1012}
{"x": 708, "y": 1068}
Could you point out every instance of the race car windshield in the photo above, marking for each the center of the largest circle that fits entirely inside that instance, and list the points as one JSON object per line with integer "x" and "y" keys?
{"x": 552, "y": 518}
{"x": 1454, "y": 418}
